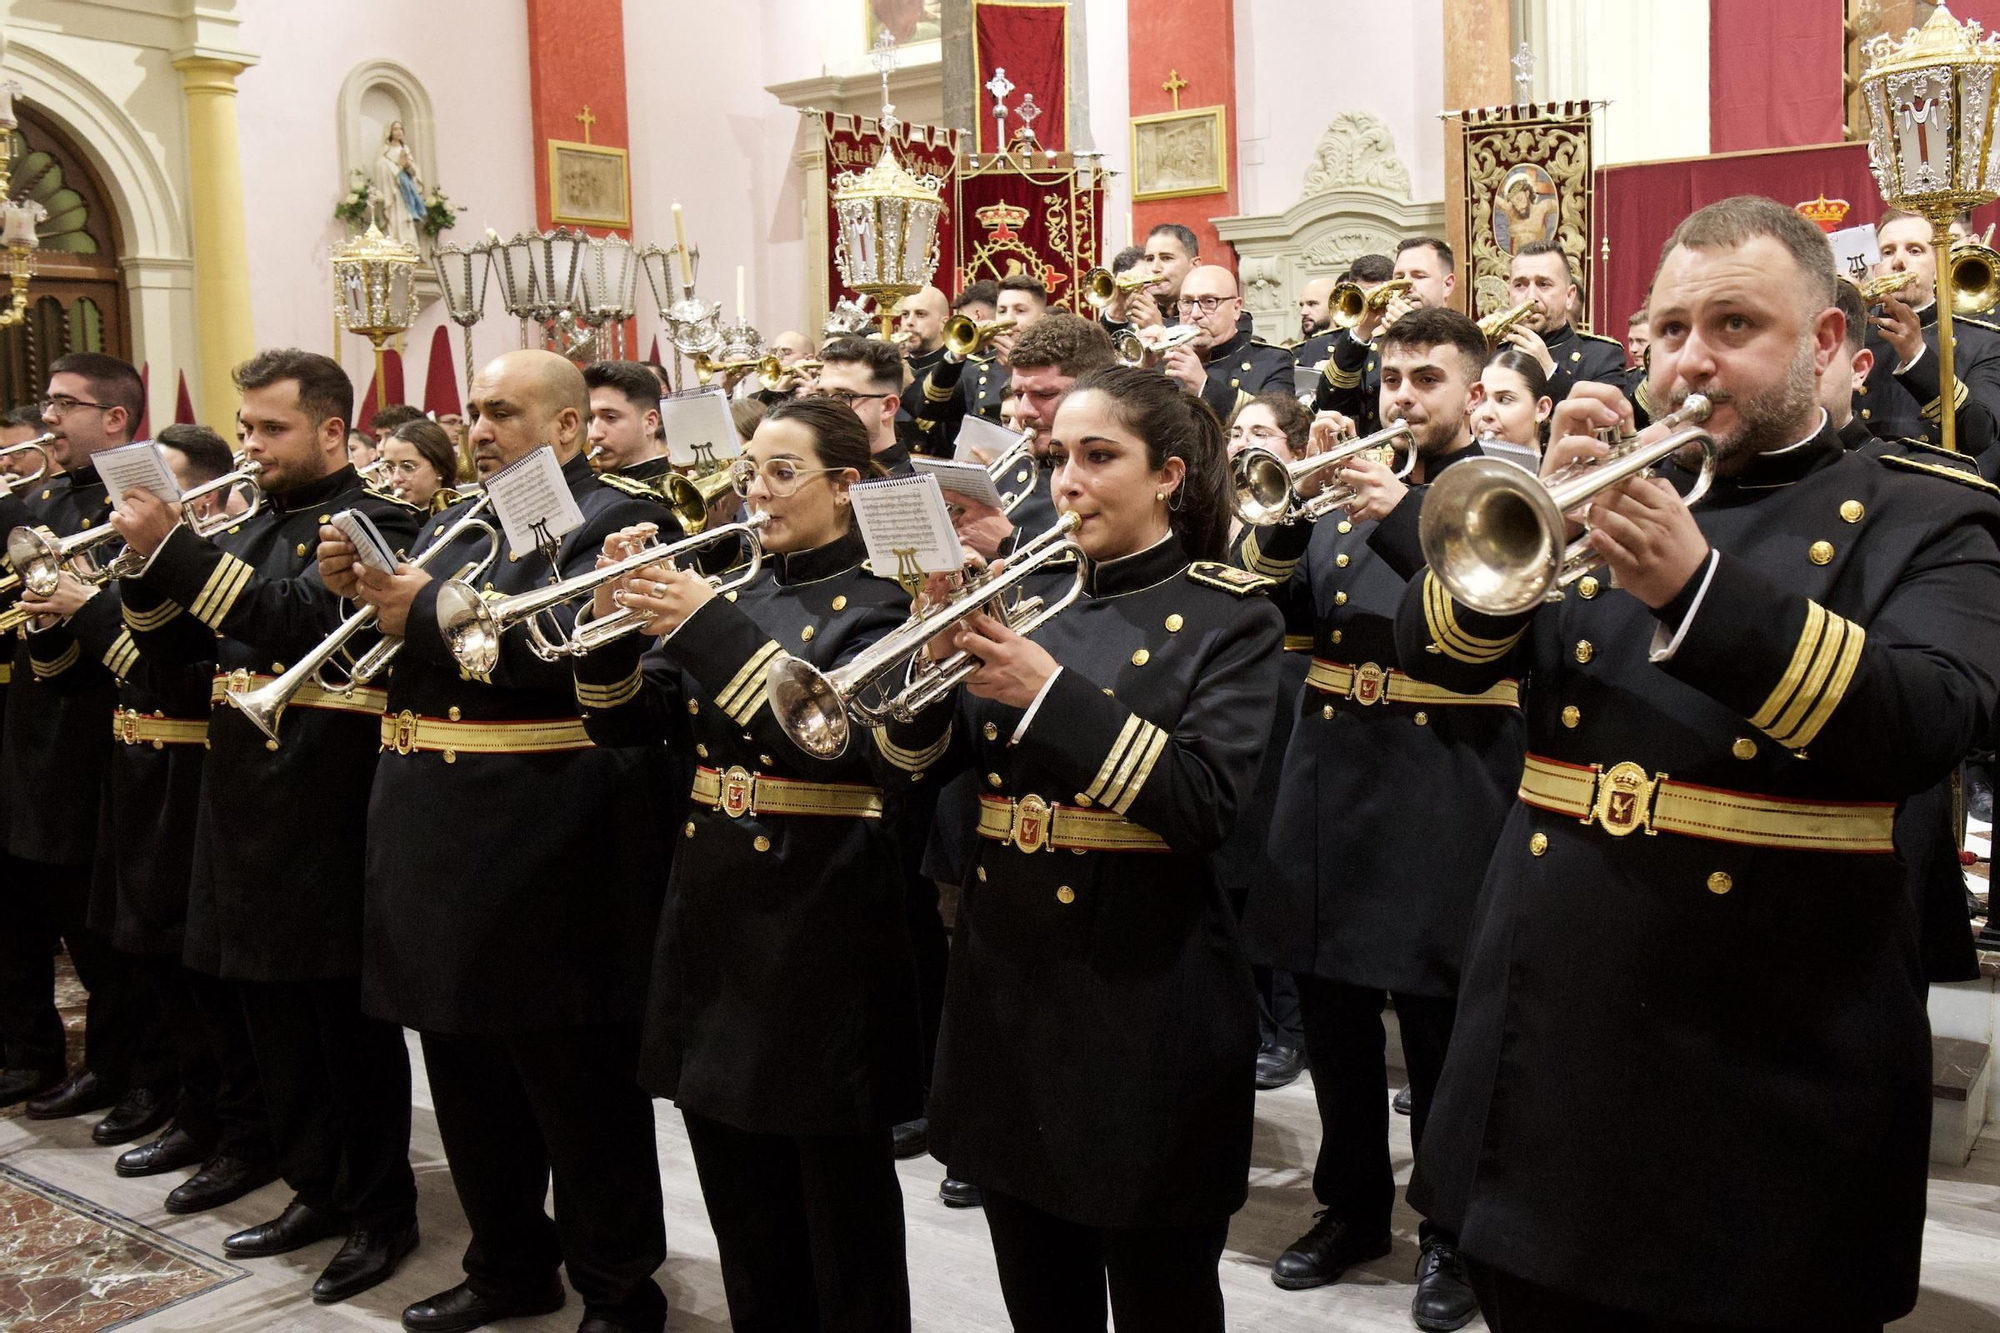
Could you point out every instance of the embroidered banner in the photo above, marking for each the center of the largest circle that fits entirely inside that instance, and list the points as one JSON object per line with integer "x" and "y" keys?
{"x": 1020, "y": 59}
{"x": 1527, "y": 178}
{"x": 1025, "y": 214}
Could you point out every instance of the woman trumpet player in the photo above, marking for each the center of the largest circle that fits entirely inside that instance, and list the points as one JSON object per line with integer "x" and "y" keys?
{"x": 1095, "y": 1062}
{"x": 782, "y": 1015}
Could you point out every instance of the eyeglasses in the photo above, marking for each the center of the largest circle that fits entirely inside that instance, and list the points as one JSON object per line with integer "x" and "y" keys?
{"x": 61, "y": 404}
{"x": 1256, "y": 432}
{"x": 782, "y": 477}
{"x": 408, "y": 467}
{"x": 1206, "y": 304}
{"x": 848, "y": 398}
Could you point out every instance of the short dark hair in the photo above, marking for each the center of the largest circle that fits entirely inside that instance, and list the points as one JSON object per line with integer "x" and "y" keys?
{"x": 1123, "y": 261}
{"x": 983, "y": 293}
{"x": 391, "y": 415}
{"x": 112, "y": 382}
{"x": 1434, "y": 326}
{"x": 208, "y": 454}
{"x": 1072, "y": 344}
{"x": 433, "y": 444}
{"x": 839, "y": 438}
{"x": 1848, "y": 297}
{"x": 27, "y": 414}
{"x": 883, "y": 360}
{"x": 1185, "y": 235}
{"x": 1742, "y": 218}
{"x": 1372, "y": 268}
{"x": 1534, "y": 249}
{"x": 630, "y": 378}
{"x": 1175, "y": 424}
{"x": 1021, "y": 282}
{"x": 1444, "y": 253}
{"x": 324, "y": 389}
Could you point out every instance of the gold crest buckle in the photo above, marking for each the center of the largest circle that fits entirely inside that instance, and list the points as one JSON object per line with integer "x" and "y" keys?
{"x": 128, "y": 726}
{"x": 1624, "y": 800}
{"x": 404, "y": 741}
{"x": 738, "y": 790}
{"x": 239, "y": 681}
{"x": 1030, "y": 828}
{"x": 1368, "y": 682}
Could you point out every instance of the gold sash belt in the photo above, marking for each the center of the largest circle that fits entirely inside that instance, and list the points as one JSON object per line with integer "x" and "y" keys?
{"x": 364, "y": 700}
{"x": 1622, "y": 798}
{"x": 1033, "y": 824}
{"x": 6, "y": 673}
{"x": 135, "y": 728}
{"x": 1372, "y": 684}
{"x": 738, "y": 792}
{"x": 406, "y": 733}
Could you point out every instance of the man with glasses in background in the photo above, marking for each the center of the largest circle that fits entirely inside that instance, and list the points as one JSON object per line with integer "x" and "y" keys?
{"x": 867, "y": 375}
{"x": 1224, "y": 366}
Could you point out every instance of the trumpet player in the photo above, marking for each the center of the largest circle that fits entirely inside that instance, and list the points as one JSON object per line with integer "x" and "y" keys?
{"x": 275, "y": 903}
{"x": 625, "y": 422}
{"x": 191, "y": 1052}
{"x": 1365, "y": 902}
{"x": 1094, "y": 1071}
{"x": 1540, "y": 271}
{"x": 781, "y": 1018}
{"x": 1901, "y": 396}
{"x": 1758, "y": 682}
{"x": 978, "y": 384}
{"x": 520, "y": 954}
{"x": 1224, "y": 365}
{"x": 52, "y": 763}
{"x": 421, "y": 464}
{"x": 17, "y": 426}
{"x": 1352, "y": 375}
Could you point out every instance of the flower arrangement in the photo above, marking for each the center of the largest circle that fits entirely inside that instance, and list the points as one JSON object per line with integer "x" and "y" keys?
{"x": 438, "y": 216}
{"x": 357, "y": 205}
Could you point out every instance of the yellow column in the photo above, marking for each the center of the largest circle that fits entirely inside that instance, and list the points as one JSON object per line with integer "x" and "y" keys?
{"x": 221, "y": 251}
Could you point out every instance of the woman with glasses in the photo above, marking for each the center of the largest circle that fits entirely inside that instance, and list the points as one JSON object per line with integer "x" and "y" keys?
{"x": 421, "y": 466}
{"x": 1095, "y": 1062}
{"x": 1514, "y": 405}
{"x": 782, "y": 1015}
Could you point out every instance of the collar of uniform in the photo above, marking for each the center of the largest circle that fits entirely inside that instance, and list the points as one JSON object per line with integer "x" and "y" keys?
{"x": 1141, "y": 569}
{"x": 821, "y": 562}
{"x": 1782, "y": 467}
{"x": 1557, "y": 337}
{"x": 1854, "y": 434}
{"x": 83, "y": 477}
{"x": 1437, "y": 465}
{"x": 925, "y": 360}
{"x": 648, "y": 469}
{"x": 895, "y": 456}
{"x": 313, "y": 493}
{"x": 1928, "y": 316}
{"x": 578, "y": 469}
{"x": 1234, "y": 347}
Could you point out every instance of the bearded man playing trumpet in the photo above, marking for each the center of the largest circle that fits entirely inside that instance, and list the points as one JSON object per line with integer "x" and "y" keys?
{"x": 1425, "y": 273}
{"x": 1539, "y": 272}
{"x": 1901, "y": 397}
{"x": 1752, "y": 688}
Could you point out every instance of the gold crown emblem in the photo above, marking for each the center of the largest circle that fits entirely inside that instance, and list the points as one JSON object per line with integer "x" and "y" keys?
{"x": 1823, "y": 212}
{"x": 1001, "y": 219}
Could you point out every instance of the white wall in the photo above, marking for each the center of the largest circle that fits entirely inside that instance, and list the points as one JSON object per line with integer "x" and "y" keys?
{"x": 472, "y": 57}
{"x": 1299, "y": 63}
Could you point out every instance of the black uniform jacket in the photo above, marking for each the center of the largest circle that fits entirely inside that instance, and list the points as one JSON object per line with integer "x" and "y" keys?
{"x": 1351, "y": 382}
{"x": 1242, "y": 368}
{"x": 922, "y": 429}
{"x": 649, "y": 472}
{"x": 1388, "y": 809}
{"x": 276, "y": 889}
{"x": 1896, "y": 405}
{"x": 1583, "y": 356}
{"x": 783, "y": 996}
{"x": 977, "y": 385}
{"x": 57, "y": 743}
{"x": 152, "y": 784}
{"x": 1684, "y": 1064}
{"x": 1314, "y": 352}
{"x": 1100, "y": 1026}
{"x": 507, "y": 890}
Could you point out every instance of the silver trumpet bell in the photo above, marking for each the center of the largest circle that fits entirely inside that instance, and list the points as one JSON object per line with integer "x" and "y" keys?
{"x": 10, "y": 484}
{"x": 817, "y": 709}
{"x": 40, "y": 557}
{"x": 1497, "y": 537}
{"x": 1266, "y": 487}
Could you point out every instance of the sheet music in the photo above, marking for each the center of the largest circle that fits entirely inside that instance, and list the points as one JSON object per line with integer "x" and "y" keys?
{"x": 530, "y": 493}
{"x": 904, "y": 518}
{"x": 139, "y": 466}
{"x": 369, "y": 546}
{"x": 971, "y": 480}
{"x": 700, "y": 432}
{"x": 982, "y": 441}
{"x": 1855, "y": 251}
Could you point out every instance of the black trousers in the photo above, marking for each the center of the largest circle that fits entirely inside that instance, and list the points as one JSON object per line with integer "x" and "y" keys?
{"x": 1279, "y": 1022}
{"x": 1345, "y": 1041}
{"x": 221, "y": 1100}
{"x": 932, "y": 948}
{"x": 44, "y": 904}
{"x": 1054, "y": 1274}
{"x": 810, "y": 1229}
{"x": 1516, "y": 1305}
{"x": 517, "y": 1109}
{"x": 337, "y": 1086}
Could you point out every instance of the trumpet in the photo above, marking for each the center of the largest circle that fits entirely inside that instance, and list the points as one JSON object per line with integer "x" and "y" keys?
{"x": 1133, "y": 350}
{"x": 472, "y": 626}
{"x": 1496, "y": 326}
{"x": 1975, "y": 278}
{"x": 1879, "y": 289}
{"x": 1267, "y": 487}
{"x": 40, "y": 557}
{"x": 264, "y": 705}
{"x": 771, "y": 372}
{"x": 706, "y": 369}
{"x": 1496, "y": 536}
{"x": 964, "y": 336}
{"x": 691, "y": 497}
{"x": 375, "y": 474}
{"x": 1350, "y": 304}
{"x": 1101, "y": 286}
{"x": 10, "y": 484}
{"x": 817, "y": 709}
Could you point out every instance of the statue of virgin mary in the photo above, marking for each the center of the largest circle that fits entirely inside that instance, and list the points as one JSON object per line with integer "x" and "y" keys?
{"x": 399, "y": 191}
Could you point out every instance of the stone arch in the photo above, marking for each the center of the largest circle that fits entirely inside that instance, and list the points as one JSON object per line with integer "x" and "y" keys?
{"x": 359, "y": 138}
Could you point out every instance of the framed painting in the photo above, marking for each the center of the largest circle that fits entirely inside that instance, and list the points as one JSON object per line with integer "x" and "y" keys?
{"x": 1178, "y": 153}
{"x": 588, "y": 185}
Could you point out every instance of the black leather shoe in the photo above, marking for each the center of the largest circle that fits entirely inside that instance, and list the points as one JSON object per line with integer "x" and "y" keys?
{"x": 298, "y": 1226}
{"x": 1279, "y": 1065}
{"x": 223, "y": 1180}
{"x": 79, "y": 1094}
{"x": 1324, "y": 1253}
{"x": 460, "y": 1308}
{"x": 958, "y": 1194}
{"x": 368, "y": 1258}
{"x": 912, "y": 1138}
{"x": 138, "y": 1113}
{"x": 1978, "y": 795}
{"x": 18, "y": 1085}
{"x": 1444, "y": 1299}
{"x": 172, "y": 1150}
{"x": 1403, "y": 1105}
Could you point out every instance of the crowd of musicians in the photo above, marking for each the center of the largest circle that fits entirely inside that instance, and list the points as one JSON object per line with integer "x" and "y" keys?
{"x": 1653, "y": 862}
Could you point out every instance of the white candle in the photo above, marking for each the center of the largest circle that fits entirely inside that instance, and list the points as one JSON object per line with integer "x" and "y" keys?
{"x": 18, "y": 227}
{"x": 681, "y": 238}
{"x": 739, "y": 293}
